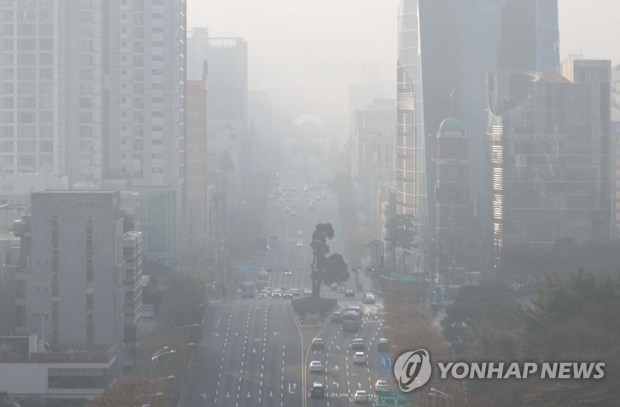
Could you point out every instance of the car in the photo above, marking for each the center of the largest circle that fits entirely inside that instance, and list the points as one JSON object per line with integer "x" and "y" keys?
{"x": 276, "y": 294}
{"x": 317, "y": 344}
{"x": 299, "y": 243}
{"x": 287, "y": 209}
{"x": 334, "y": 287}
{"x": 280, "y": 199}
{"x": 307, "y": 292}
{"x": 300, "y": 233}
{"x": 336, "y": 316}
{"x": 268, "y": 247}
{"x": 287, "y": 294}
{"x": 268, "y": 270}
{"x": 359, "y": 358}
{"x": 293, "y": 213}
{"x": 342, "y": 289}
{"x": 316, "y": 367}
{"x": 288, "y": 273}
{"x": 361, "y": 397}
{"x": 262, "y": 294}
{"x": 295, "y": 292}
{"x": 358, "y": 344}
{"x": 317, "y": 390}
{"x": 382, "y": 345}
{"x": 381, "y": 385}
{"x": 349, "y": 293}
{"x": 369, "y": 299}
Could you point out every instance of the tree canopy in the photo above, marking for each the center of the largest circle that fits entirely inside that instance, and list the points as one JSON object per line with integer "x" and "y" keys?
{"x": 325, "y": 269}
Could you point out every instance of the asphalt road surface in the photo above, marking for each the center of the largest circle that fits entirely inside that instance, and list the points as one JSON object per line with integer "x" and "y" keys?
{"x": 251, "y": 353}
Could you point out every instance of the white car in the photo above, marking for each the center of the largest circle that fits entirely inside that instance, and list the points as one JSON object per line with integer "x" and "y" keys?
{"x": 262, "y": 294}
{"x": 295, "y": 292}
{"x": 361, "y": 396}
{"x": 300, "y": 233}
{"x": 276, "y": 294}
{"x": 316, "y": 366}
{"x": 299, "y": 243}
{"x": 307, "y": 292}
{"x": 381, "y": 385}
{"x": 359, "y": 358}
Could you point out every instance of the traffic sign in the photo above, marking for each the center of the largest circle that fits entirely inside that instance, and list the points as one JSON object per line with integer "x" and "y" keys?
{"x": 385, "y": 364}
{"x": 393, "y": 398}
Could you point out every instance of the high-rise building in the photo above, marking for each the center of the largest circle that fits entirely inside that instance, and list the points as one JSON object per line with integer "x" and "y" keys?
{"x": 72, "y": 268}
{"x": 452, "y": 194}
{"x": 196, "y": 179}
{"x": 475, "y": 37}
{"x": 551, "y": 158}
{"x": 93, "y": 90}
{"x": 227, "y": 98}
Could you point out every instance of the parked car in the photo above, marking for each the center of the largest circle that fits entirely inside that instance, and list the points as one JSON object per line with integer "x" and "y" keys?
{"x": 276, "y": 294}
{"x": 287, "y": 294}
{"x": 342, "y": 289}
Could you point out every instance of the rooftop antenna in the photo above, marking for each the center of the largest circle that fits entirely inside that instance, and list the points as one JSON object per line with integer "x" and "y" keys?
{"x": 452, "y": 101}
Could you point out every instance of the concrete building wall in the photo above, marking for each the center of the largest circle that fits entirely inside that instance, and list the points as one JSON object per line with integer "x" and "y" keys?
{"x": 67, "y": 301}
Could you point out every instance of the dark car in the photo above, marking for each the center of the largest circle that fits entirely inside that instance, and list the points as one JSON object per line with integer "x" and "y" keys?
{"x": 336, "y": 316}
{"x": 382, "y": 345}
{"x": 349, "y": 293}
{"x": 317, "y": 391}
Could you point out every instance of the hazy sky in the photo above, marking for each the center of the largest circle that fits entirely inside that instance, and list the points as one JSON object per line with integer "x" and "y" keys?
{"x": 324, "y": 42}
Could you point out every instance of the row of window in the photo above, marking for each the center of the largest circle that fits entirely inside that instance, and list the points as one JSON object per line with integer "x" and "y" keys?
{"x": 76, "y": 378}
{"x": 45, "y": 161}
{"x": 25, "y": 131}
{"x": 26, "y": 59}
{"x": 8, "y": 73}
{"x": 24, "y": 30}
{"x": 26, "y": 146}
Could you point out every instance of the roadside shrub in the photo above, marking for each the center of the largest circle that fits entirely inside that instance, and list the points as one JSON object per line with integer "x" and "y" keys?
{"x": 311, "y": 305}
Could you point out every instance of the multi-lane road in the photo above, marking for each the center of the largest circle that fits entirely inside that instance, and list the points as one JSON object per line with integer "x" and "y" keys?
{"x": 252, "y": 352}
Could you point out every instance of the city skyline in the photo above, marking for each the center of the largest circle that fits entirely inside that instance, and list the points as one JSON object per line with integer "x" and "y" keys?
{"x": 368, "y": 34}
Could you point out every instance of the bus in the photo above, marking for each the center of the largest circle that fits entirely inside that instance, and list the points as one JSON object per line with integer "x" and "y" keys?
{"x": 248, "y": 290}
{"x": 351, "y": 320}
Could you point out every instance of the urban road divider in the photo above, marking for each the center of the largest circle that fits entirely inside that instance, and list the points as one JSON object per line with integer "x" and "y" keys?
{"x": 304, "y": 355}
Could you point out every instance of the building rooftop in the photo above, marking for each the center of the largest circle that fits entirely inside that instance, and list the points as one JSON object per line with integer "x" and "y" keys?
{"x": 452, "y": 124}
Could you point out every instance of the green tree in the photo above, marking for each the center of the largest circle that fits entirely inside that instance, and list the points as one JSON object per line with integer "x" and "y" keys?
{"x": 400, "y": 234}
{"x": 575, "y": 320}
{"x": 490, "y": 300}
{"x": 325, "y": 269}
{"x": 522, "y": 264}
{"x": 569, "y": 395}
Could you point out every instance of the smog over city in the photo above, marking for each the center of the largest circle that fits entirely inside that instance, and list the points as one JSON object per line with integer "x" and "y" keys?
{"x": 309, "y": 204}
